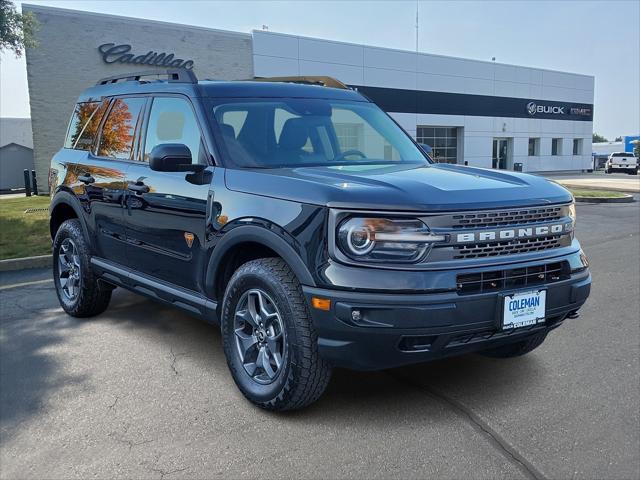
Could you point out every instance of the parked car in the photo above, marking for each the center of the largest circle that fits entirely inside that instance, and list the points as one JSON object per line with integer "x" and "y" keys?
{"x": 622, "y": 162}
{"x": 301, "y": 219}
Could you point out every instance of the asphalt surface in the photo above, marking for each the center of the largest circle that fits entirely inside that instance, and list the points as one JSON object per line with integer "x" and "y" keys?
{"x": 143, "y": 391}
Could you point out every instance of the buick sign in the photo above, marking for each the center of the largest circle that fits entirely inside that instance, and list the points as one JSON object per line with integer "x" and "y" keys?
{"x": 112, "y": 53}
{"x": 533, "y": 108}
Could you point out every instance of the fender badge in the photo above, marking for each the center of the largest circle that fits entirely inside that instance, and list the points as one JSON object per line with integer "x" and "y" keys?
{"x": 188, "y": 237}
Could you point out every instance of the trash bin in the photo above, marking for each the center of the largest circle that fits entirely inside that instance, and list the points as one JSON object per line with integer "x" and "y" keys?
{"x": 517, "y": 167}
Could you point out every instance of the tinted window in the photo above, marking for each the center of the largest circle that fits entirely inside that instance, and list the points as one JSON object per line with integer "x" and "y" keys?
{"x": 116, "y": 138}
{"x": 627, "y": 154}
{"x": 289, "y": 132}
{"x": 172, "y": 121}
{"x": 84, "y": 125}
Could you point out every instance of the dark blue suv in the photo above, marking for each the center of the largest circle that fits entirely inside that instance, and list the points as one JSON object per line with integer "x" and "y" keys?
{"x": 304, "y": 221}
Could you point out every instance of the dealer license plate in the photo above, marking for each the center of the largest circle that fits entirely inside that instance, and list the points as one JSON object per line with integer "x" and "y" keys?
{"x": 524, "y": 309}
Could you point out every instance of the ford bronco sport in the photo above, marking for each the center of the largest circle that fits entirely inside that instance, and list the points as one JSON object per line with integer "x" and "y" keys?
{"x": 304, "y": 221}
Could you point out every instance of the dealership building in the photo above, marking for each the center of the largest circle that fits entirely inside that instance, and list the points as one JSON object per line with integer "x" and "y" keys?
{"x": 479, "y": 113}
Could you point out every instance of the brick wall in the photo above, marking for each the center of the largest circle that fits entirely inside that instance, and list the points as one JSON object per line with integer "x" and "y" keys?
{"x": 67, "y": 61}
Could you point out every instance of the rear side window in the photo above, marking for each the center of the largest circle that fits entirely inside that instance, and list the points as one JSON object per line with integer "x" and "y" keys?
{"x": 118, "y": 132}
{"x": 84, "y": 125}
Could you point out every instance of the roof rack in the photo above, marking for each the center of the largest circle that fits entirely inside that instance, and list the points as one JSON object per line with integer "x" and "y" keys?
{"x": 312, "y": 80}
{"x": 174, "y": 75}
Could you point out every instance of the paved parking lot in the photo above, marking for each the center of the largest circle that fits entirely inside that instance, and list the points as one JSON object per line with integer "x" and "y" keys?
{"x": 622, "y": 182}
{"x": 143, "y": 391}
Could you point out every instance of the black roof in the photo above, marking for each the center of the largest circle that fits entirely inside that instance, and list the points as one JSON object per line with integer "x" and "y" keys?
{"x": 222, "y": 89}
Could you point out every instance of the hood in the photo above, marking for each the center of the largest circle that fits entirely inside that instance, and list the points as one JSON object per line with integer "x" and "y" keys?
{"x": 424, "y": 188}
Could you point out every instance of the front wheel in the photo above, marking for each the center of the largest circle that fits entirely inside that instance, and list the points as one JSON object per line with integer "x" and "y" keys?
{"x": 269, "y": 341}
{"x": 516, "y": 349}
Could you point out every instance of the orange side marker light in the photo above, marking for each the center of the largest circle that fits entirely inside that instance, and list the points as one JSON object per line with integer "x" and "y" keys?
{"x": 321, "y": 303}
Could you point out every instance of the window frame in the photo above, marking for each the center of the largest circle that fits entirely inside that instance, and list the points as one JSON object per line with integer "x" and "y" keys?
{"x": 536, "y": 147}
{"x": 145, "y": 125}
{"x": 558, "y": 147}
{"x": 136, "y": 133}
{"x": 578, "y": 142}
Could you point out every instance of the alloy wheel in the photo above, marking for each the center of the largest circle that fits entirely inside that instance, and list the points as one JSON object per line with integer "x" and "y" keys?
{"x": 69, "y": 270}
{"x": 260, "y": 336}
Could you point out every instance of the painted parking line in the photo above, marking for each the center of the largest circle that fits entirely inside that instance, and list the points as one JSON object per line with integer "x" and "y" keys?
{"x": 25, "y": 284}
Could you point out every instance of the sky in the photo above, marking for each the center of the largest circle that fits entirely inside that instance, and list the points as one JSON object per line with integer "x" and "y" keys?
{"x": 599, "y": 38}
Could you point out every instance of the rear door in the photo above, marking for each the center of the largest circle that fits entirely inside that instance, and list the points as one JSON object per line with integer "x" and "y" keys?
{"x": 97, "y": 176}
{"x": 166, "y": 211}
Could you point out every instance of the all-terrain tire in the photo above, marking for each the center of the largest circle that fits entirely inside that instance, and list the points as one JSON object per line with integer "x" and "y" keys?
{"x": 516, "y": 349}
{"x": 92, "y": 296}
{"x": 304, "y": 375}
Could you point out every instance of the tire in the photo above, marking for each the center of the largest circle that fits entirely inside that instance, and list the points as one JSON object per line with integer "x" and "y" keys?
{"x": 80, "y": 293}
{"x": 606, "y": 170}
{"x": 516, "y": 349}
{"x": 269, "y": 286}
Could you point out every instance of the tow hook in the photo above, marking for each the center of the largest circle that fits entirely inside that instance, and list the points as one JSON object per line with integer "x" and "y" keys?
{"x": 573, "y": 314}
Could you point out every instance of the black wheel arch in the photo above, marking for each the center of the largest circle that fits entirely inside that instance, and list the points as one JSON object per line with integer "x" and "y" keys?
{"x": 257, "y": 236}
{"x": 64, "y": 206}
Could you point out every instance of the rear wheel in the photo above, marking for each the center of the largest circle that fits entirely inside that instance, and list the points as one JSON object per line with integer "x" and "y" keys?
{"x": 79, "y": 291}
{"x": 269, "y": 340}
{"x": 516, "y": 349}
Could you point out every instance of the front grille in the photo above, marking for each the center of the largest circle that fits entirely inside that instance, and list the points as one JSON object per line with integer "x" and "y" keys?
{"x": 509, "y": 247}
{"x": 501, "y": 218}
{"x": 482, "y": 282}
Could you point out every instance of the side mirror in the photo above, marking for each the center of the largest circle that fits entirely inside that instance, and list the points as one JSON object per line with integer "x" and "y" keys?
{"x": 172, "y": 157}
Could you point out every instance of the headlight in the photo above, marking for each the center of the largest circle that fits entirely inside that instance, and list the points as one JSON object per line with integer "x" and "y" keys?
{"x": 572, "y": 213}
{"x": 399, "y": 240}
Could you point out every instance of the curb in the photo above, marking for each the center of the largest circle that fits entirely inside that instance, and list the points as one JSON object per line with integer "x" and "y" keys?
{"x": 625, "y": 199}
{"x": 41, "y": 261}
{"x": 597, "y": 187}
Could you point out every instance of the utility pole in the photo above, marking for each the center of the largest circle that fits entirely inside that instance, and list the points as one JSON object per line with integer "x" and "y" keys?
{"x": 417, "y": 26}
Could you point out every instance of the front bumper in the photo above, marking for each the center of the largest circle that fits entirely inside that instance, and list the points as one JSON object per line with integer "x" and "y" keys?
{"x": 395, "y": 329}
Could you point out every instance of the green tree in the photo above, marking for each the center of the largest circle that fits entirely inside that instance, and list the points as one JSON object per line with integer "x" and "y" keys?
{"x": 17, "y": 30}
{"x": 636, "y": 148}
{"x": 618, "y": 139}
{"x": 599, "y": 138}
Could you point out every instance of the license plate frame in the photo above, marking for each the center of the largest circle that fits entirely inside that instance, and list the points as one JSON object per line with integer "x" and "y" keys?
{"x": 527, "y": 312}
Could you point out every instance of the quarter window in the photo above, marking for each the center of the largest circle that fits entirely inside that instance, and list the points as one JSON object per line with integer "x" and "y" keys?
{"x": 84, "y": 125}
{"x": 116, "y": 138}
{"x": 172, "y": 121}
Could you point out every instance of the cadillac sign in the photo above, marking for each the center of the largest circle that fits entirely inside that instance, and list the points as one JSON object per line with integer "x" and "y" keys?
{"x": 112, "y": 53}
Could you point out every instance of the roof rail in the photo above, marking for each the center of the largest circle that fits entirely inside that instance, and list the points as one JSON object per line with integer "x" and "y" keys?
{"x": 174, "y": 75}
{"x": 309, "y": 80}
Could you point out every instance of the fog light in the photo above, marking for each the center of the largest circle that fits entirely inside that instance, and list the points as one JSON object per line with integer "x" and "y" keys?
{"x": 356, "y": 315}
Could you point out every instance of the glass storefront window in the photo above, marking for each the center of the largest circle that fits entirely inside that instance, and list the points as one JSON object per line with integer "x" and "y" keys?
{"x": 443, "y": 141}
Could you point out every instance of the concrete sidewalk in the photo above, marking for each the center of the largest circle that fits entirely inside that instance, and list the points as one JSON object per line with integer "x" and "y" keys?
{"x": 619, "y": 182}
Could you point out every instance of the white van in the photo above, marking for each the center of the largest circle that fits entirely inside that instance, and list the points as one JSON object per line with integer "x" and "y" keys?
{"x": 622, "y": 162}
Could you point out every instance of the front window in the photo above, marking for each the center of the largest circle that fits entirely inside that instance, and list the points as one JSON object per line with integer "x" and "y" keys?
{"x": 293, "y": 132}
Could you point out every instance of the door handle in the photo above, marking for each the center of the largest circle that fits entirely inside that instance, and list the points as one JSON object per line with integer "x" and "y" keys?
{"x": 138, "y": 188}
{"x": 86, "y": 179}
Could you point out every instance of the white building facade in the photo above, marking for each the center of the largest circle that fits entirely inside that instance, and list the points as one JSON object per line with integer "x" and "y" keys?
{"x": 483, "y": 114}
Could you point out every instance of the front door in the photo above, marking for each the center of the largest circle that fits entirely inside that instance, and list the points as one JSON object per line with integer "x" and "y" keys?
{"x": 500, "y": 153}
{"x": 165, "y": 212}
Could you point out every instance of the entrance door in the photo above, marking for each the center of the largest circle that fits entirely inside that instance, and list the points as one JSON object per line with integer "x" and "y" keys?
{"x": 501, "y": 153}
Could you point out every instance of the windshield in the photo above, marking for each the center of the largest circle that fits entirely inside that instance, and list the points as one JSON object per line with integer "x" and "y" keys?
{"x": 292, "y": 132}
